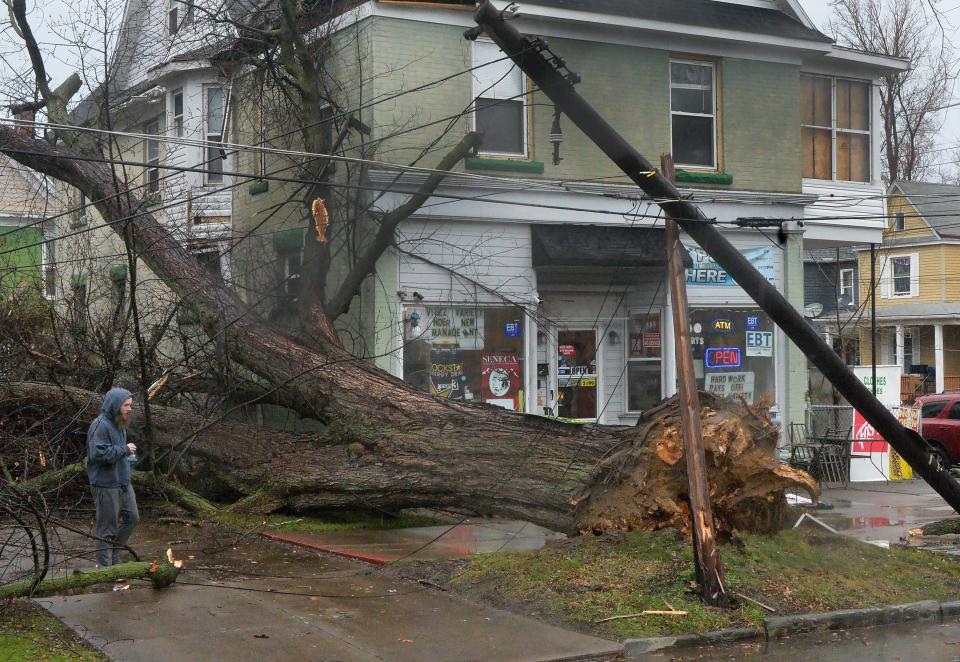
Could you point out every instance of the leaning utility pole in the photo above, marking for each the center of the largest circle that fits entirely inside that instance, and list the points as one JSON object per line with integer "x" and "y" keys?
{"x": 706, "y": 556}
{"x": 528, "y": 54}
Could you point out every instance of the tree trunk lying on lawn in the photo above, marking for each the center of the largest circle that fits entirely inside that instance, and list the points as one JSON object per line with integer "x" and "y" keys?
{"x": 570, "y": 478}
{"x": 160, "y": 573}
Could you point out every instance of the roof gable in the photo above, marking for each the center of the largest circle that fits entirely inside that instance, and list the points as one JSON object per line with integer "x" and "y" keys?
{"x": 937, "y": 204}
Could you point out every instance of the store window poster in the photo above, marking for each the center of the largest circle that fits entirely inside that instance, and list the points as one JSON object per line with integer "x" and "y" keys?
{"x": 501, "y": 380}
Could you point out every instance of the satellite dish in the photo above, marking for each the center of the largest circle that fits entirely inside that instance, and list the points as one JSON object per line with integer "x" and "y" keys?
{"x": 813, "y": 309}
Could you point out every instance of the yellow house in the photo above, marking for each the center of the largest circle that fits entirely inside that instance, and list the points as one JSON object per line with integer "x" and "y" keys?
{"x": 916, "y": 286}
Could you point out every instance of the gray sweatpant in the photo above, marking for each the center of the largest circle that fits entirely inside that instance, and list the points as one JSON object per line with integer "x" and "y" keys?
{"x": 117, "y": 514}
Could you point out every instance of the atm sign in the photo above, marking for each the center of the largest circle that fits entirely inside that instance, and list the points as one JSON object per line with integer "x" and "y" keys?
{"x": 722, "y": 357}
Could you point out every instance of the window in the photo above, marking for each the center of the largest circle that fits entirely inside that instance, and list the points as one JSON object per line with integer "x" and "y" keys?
{"x": 693, "y": 126}
{"x": 215, "y": 116}
{"x": 260, "y": 167}
{"x": 467, "y": 353}
{"x": 177, "y": 113}
{"x": 733, "y": 352}
{"x": 179, "y": 15}
{"x": 499, "y": 103}
{"x": 954, "y": 414}
{"x": 901, "y": 276}
{"x": 292, "y": 266}
{"x": 152, "y": 156}
{"x": 644, "y": 359}
{"x": 846, "y": 283}
{"x": 49, "y": 269}
{"x": 209, "y": 260}
{"x": 907, "y": 351}
{"x": 932, "y": 409}
{"x": 835, "y": 128}
{"x": 899, "y": 222}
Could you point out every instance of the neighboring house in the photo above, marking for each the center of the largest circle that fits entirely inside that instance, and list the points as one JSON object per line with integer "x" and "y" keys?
{"x": 538, "y": 285}
{"x": 162, "y": 83}
{"x": 918, "y": 291}
{"x": 832, "y": 298}
{"x": 27, "y": 244}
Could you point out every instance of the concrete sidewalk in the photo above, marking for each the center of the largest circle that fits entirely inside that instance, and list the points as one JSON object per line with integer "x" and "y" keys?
{"x": 258, "y": 600}
{"x": 883, "y": 511}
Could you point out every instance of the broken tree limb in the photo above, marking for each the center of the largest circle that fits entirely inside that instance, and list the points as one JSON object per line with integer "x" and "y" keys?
{"x": 160, "y": 574}
{"x": 647, "y": 612}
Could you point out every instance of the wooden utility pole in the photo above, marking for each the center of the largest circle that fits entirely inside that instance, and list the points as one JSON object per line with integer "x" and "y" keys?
{"x": 706, "y": 556}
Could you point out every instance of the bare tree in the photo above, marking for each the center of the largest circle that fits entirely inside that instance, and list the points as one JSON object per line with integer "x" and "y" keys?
{"x": 911, "y": 101}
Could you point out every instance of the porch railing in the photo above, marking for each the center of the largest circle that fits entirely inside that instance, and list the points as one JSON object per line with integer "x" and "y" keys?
{"x": 913, "y": 386}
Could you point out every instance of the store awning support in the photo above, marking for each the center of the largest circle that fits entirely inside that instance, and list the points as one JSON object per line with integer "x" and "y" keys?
{"x": 556, "y": 81}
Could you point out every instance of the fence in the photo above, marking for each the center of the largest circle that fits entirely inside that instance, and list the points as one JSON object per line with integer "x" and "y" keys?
{"x": 827, "y": 420}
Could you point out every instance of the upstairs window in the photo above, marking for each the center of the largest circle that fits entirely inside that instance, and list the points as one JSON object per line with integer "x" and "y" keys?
{"x": 499, "y": 109}
{"x": 177, "y": 113}
{"x": 901, "y": 276}
{"x": 215, "y": 116}
{"x": 846, "y": 283}
{"x": 179, "y": 15}
{"x": 152, "y": 155}
{"x": 899, "y": 222}
{"x": 835, "y": 128}
{"x": 693, "y": 118}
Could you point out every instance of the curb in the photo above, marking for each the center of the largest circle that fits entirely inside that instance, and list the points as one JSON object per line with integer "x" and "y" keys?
{"x": 778, "y": 627}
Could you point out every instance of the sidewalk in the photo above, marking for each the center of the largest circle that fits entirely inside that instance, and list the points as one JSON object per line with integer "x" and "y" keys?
{"x": 883, "y": 511}
{"x": 259, "y": 600}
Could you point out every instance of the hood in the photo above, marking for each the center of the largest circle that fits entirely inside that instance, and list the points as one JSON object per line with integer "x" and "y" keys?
{"x": 112, "y": 401}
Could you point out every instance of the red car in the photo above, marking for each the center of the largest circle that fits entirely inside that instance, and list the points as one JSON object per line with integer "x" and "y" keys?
{"x": 941, "y": 424}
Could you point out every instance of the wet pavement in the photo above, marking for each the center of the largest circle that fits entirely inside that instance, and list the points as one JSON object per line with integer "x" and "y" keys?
{"x": 882, "y": 512}
{"x": 427, "y": 542}
{"x": 910, "y": 642}
{"x": 242, "y": 597}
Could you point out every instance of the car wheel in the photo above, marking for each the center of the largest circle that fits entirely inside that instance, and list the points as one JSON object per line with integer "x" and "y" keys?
{"x": 943, "y": 457}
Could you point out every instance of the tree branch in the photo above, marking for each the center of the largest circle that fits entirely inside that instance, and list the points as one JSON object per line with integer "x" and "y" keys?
{"x": 340, "y": 303}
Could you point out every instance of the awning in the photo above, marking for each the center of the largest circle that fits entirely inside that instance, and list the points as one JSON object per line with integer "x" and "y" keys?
{"x": 595, "y": 247}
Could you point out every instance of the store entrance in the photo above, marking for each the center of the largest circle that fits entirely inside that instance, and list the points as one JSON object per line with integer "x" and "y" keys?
{"x": 577, "y": 374}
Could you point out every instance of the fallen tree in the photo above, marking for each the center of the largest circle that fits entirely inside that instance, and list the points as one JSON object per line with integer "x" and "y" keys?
{"x": 567, "y": 477}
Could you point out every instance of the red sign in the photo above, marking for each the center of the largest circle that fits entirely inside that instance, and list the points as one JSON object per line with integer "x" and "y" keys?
{"x": 501, "y": 379}
{"x": 865, "y": 438}
{"x": 868, "y": 440}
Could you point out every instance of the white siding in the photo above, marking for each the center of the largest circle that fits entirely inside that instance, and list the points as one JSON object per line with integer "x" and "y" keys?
{"x": 493, "y": 259}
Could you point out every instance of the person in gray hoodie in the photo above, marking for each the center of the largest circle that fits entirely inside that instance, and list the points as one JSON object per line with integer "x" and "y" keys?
{"x": 109, "y": 457}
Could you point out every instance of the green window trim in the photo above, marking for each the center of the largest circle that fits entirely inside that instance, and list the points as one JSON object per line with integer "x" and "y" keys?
{"x": 118, "y": 273}
{"x": 504, "y": 165}
{"x": 694, "y": 177}
{"x": 258, "y": 187}
{"x": 288, "y": 241}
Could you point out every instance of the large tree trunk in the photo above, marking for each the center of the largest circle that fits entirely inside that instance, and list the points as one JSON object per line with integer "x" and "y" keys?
{"x": 566, "y": 477}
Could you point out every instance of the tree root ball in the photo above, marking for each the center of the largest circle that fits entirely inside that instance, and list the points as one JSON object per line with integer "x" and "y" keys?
{"x": 646, "y": 483}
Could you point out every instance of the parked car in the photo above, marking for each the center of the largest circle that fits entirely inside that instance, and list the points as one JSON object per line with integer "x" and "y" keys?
{"x": 940, "y": 415}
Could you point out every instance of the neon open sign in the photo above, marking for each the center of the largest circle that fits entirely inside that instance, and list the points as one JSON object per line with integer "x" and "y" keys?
{"x": 722, "y": 357}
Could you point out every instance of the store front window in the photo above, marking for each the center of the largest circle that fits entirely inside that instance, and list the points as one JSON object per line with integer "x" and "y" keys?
{"x": 644, "y": 359}
{"x": 733, "y": 352}
{"x": 577, "y": 374}
{"x": 468, "y": 353}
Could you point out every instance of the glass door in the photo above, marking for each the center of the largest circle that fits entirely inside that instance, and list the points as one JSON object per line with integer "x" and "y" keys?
{"x": 577, "y": 374}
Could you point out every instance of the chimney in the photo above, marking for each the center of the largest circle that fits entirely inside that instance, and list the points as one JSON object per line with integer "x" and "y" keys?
{"x": 25, "y": 113}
